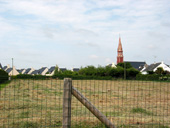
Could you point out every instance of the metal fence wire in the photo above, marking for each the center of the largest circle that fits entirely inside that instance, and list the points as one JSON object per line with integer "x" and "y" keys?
{"x": 38, "y": 103}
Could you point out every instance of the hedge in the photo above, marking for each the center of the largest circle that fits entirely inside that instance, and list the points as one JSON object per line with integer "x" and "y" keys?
{"x": 153, "y": 77}
{"x": 3, "y": 76}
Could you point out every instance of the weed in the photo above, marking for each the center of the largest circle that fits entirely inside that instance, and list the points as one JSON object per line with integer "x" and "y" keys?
{"x": 24, "y": 115}
{"x": 28, "y": 125}
{"x": 141, "y": 110}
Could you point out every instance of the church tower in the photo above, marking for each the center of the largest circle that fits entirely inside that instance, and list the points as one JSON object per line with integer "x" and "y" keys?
{"x": 119, "y": 52}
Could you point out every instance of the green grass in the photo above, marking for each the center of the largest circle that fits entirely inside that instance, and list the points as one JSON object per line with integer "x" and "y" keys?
{"x": 4, "y": 85}
{"x": 28, "y": 125}
{"x": 143, "y": 126}
{"x": 89, "y": 125}
{"x": 24, "y": 115}
{"x": 141, "y": 110}
{"x": 113, "y": 114}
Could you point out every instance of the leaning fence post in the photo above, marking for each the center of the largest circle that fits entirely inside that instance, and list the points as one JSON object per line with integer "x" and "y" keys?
{"x": 67, "y": 103}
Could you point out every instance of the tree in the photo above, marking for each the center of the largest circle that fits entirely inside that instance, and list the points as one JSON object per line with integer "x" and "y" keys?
{"x": 160, "y": 70}
{"x": 132, "y": 72}
{"x": 56, "y": 70}
{"x": 3, "y": 76}
{"x": 124, "y": 64}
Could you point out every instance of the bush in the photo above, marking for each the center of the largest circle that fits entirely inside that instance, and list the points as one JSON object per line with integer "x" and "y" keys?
{"x": 3, "y": 76}
{"x": 150, "y": 77}
{"x": 27, "y": 76}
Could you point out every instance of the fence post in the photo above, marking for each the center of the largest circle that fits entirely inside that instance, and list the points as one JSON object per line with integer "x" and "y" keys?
{"x": 67, "y": 103}
{"x": 92, "y": 108}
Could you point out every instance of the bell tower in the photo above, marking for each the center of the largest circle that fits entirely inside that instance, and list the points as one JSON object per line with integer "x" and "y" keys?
{"x": 119, "y": 52}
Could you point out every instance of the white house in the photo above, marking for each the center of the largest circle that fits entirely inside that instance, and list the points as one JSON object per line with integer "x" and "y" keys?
{"x": 35, "y": 72}
{"x": 21, "y": 71}
{"x": 51, "y": 71}
{"x": 153, "y": 67}
{"x": 6, "y": 67}
{"x": 28, "y": 71}
{"x": 75, "y": 69}
{"x": 43, "y": 71}
{"x": 12, "y": 71}
{"x": 112, "y": 65}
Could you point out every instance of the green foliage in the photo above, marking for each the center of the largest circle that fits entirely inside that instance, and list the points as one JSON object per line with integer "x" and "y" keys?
{"x": 131, "y": 73}
{"x": 4, "y": 85}
{"x": 28, "y": 125}
{"x": 160, "y": 71}
{"x": 153, "y": 77}
{"x": 27, "y": 76}
{"x": 56, "y": 70}
{"x": 3, "y": 76}
{"x": 141, "y": 110}
{"x": 125, "y": 64}
{"x": 89, "y": 72}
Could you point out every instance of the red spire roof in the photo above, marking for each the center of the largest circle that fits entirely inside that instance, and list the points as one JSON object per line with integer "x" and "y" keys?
{"x": 119, "y": 52}
{"x": 120, "y": 45}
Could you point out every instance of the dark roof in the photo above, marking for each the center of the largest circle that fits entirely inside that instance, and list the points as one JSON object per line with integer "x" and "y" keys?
{"x": 41, "y": 70}
{"x": 51, "y": 69}
{"x": 20, "y": 70}
{"x": 35, "y": 72}
{"x": 62, "y": 69}
{"x": 1, "y": 66}
{"x": 5, "y": 67}
{"x": 9, "y": 70}
{"x": 27, "y": 71}
{"x": 152, "y": 67}
{"x": 76, "y": 69}
{"x": 137, "y": 65}
{"x": 109, "y": 65}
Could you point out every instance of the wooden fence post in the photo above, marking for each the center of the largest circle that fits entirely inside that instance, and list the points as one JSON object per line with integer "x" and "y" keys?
{"x": 67, "y": 103}
{"x": 92, "y": 108}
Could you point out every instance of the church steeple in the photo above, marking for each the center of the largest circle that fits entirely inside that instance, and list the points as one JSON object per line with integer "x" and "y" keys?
{"x": 119, "y": 52}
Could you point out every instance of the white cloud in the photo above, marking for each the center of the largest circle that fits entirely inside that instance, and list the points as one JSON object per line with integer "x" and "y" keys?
{"x": 93, "y": 57}
{"x": 86, "y": 26}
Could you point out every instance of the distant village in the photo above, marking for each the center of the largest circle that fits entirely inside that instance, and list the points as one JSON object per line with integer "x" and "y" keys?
{"x": 141, "y": 66}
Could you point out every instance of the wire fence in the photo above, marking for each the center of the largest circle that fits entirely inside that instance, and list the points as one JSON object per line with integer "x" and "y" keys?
{"x": 39, "y": 103}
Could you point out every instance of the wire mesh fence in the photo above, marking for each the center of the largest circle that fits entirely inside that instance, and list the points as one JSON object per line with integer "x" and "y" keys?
{"x": 31, "y": 103}
{"x": 38, "y": 103}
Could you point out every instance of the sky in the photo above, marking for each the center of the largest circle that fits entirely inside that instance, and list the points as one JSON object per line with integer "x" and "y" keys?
{"x": 78, "y": 33}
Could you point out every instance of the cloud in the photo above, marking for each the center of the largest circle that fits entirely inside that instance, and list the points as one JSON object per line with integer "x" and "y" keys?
{"x": 86, "y": 28}
{"x": 108, "y": 60}
{"x": 93, "y": 57}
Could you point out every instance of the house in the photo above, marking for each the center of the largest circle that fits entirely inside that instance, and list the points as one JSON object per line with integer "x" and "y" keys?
{"x": 51, "y": 71}
{"x": 21, "y": 71}
{"x": 29, "y": 71}
{"x": 112, "y": 65}
{"x": 139, "y": 65}
{"x": 1, "y": 66}
{"x": 12, "y": 71}
{"x": 75, "y": 69}
{"x": 43, "y": 71}
{"x": 6, "y": 67}
{"x": 35, "y": 72}
{"x": 153, "y": 67}
{"x": 62, "y": 69}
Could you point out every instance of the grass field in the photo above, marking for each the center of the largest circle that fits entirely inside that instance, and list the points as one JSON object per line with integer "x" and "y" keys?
{"x": 38, "y": 103}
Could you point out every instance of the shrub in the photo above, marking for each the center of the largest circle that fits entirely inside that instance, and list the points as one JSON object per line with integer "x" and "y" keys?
{"x": 151, "y": 77}
{"x": 3, "y": 76}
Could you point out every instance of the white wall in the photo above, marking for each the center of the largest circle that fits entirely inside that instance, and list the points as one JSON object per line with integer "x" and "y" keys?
{"x": 165, "y": 67}
{"x": 14, "y": 72}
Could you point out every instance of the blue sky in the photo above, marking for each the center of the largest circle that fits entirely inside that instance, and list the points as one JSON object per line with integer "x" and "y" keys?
{"x": 78, "y": 33}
